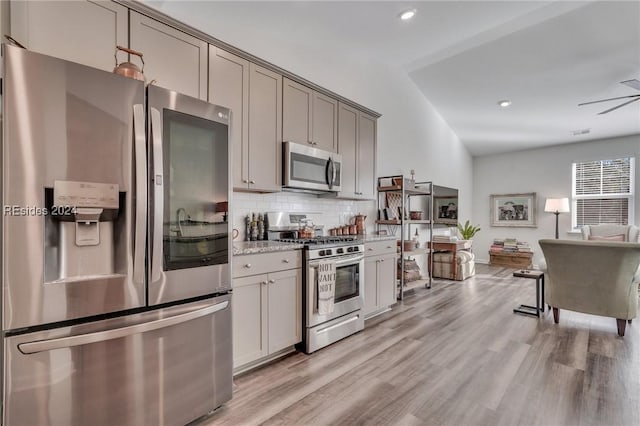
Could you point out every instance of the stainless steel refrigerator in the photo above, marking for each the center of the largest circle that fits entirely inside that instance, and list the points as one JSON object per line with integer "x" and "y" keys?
{"x": 116, "y": 287}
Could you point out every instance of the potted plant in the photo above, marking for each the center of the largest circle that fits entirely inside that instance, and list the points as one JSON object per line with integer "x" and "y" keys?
{"x": 467, "y": 231}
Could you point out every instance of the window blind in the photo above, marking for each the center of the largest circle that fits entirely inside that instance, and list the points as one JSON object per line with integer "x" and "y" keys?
{"x": 603, "y": 191}
{"x": 603, "y": 177}
{"x": 602, "y": 210}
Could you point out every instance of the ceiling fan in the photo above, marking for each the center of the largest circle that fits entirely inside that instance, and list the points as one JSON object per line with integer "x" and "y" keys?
{"x": 631, "y": 83}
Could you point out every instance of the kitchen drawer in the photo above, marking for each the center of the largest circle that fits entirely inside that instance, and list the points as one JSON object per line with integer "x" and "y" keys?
{"x": 262, "y": 263}
{"x": 377, "y": 248}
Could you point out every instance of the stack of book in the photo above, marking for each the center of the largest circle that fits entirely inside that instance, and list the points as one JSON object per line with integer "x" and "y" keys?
{"x": 497, "y": 246}
{"x": 509, "y": 245}
{"x": 524, "y": 247}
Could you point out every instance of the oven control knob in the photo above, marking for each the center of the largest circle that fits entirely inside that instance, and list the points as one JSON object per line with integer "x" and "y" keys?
{"x": 339, "y": 251}
{"x": 321, "y": 252}
{"x": 328, "y": 252}
{"x": 349, "y": 249}
{"x": 356, "y": 249}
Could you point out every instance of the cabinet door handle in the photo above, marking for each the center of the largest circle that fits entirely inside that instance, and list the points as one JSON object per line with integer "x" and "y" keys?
{"x": 272, "y": 281}
{"x": 263, "y": 283}
{"x": 247, "y": 265}
{"x": 310, "y": 143}
{"x": 252, "y": 181}
{"x": 285, "y": 260}
{"x": 389, "y": 247}
{"x": 245, "y": 181}
{"x": 370, "y": 249}
{"x": 381, "y": 260}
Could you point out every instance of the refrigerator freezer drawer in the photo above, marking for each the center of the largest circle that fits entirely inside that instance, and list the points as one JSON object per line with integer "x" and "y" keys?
{"x": 168, "y": 366}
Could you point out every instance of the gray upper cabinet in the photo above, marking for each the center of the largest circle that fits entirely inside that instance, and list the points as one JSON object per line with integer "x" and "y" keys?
{"x": 309, "y": 116}
{"x": 86, "y": 32}
{"x": 357, "y": 145}
{"x": 254, "y": 95}
{"x": 265, "y": 129}
{"x": 175, "y": 60}
{"x": 324, "y": 122}
{"x": 229, "y": 87}
{"x": 297, "y": 102}
{"x": 367, "y": 136}
{"x": 347, "y": 148}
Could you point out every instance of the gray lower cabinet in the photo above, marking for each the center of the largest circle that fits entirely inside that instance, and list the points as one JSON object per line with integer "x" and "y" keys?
{"x": 175, "y": 60}
{"x": 267, "y": 312}
{"x": 309, "y": 117}
{"x": 357, "y": 146}
{"x": 85, "y": 32}
{"x": 380, "y": 277}
{"x": 254, "y": 95}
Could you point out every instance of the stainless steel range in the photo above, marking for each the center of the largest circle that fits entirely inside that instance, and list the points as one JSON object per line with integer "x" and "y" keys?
{"x": 348, "y": 254}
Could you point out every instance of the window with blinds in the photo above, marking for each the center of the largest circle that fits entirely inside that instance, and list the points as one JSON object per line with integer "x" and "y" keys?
{"x": 602, "y": 192}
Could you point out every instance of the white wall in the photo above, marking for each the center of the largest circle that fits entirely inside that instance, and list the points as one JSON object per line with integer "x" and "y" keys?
{"x": 411, "y": 134}
{"x": 547, "y": 172}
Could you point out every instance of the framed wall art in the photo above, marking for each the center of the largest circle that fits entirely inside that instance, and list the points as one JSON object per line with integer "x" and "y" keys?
{"x": 445, "y": 210}
{"x": 513, "y": 210}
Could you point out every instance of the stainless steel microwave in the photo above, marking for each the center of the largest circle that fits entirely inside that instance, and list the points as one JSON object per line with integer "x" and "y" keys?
{"x": 311, "y": 168}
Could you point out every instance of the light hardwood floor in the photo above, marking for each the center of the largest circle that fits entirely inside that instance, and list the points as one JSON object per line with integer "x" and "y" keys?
{"x": 455, "y": 355}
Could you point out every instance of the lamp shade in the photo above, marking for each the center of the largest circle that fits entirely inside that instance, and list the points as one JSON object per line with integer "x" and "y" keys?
{"x": 560, "y": 205}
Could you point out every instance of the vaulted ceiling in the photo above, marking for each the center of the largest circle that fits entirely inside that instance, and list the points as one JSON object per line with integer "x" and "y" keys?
{"x": 545, "y": 57}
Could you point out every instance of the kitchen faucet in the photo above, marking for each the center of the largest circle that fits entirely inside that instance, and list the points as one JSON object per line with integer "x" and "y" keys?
{"x": 179, "y": 218}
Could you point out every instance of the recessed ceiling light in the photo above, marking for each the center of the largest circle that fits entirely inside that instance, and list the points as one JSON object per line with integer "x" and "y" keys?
{"x": 408, "y": 14}
{"x": 504, "y": 103}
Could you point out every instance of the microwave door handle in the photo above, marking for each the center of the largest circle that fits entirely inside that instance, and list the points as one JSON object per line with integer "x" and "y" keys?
{"x": 140, "y": 232}
{"x": 334, "y": 173}
{"x": 330, "y": 172}
{"x": 158, "y": 196}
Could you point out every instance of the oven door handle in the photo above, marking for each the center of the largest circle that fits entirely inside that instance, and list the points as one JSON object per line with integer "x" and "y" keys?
{"x": 343, "y": 261}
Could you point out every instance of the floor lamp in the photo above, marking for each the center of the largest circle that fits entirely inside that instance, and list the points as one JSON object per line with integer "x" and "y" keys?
{"x": 556, "y": 206}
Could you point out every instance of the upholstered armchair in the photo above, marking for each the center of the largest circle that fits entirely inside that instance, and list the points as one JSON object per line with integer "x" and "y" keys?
{"x": 593, "y": 277}
{"x": 607, "y": 231}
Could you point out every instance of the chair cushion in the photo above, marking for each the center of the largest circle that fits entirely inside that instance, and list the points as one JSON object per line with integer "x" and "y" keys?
{"x": 631, "y": 232}
{"x": 619, "y": 237}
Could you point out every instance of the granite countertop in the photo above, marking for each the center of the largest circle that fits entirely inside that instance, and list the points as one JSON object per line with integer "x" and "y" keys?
{"x": 253, "y": 247}
{"x": 371, "y": 238}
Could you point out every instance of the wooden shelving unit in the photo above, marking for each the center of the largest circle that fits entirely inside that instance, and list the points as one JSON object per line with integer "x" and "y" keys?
{"x": 407, "y": 189}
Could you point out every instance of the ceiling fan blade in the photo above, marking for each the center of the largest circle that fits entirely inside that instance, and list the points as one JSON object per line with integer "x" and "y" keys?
{"x": 619, "y": 106}
{"x": 609, "y": 99}
{"x": 632, "y": 83}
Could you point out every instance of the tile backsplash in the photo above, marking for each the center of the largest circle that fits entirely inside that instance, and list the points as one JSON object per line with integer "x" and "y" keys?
{"x": 334, "y": 212}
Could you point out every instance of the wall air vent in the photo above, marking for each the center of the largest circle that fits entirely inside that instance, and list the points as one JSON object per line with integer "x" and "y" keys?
{"x": 580, "y": 132}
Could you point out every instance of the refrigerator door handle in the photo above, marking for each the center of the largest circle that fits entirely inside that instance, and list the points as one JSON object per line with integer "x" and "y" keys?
{"x": 141, "y": 194}
{"x": 101, "y": 336}
{"x": 158, "y": 196}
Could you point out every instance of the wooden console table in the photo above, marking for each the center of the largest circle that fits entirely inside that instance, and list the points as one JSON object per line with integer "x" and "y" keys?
{"x": 453, "y": 247}
{"x": 519, "y": 260}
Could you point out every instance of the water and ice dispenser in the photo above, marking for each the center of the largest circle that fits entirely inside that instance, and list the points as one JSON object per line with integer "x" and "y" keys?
{"x": 84, "y": 226}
